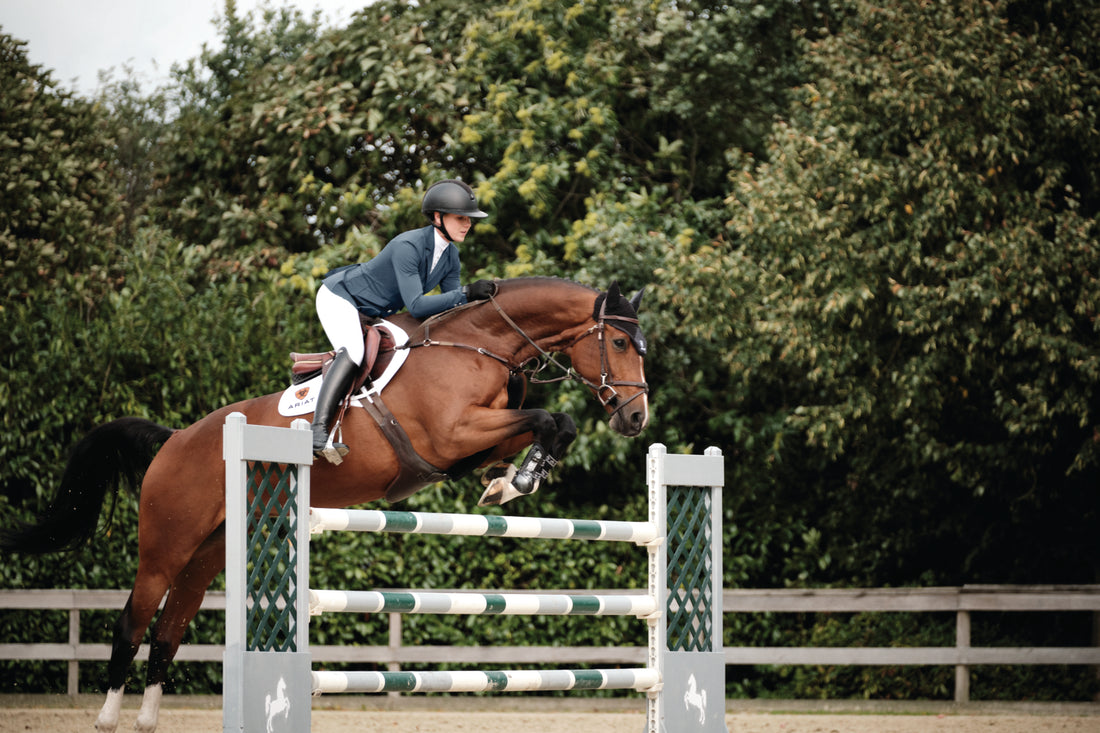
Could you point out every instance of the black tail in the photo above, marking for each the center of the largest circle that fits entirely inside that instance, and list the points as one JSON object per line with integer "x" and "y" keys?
{"x": 110, "y": 455}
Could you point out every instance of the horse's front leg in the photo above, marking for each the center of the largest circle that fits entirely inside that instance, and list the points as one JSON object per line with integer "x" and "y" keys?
{"x": 505, "y": 482}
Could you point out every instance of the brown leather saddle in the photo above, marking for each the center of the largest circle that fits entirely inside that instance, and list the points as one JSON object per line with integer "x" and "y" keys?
{"x": 379, "y": 345}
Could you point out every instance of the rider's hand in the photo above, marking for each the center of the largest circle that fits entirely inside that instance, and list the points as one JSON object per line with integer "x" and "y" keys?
{"x": 480, "y": 290}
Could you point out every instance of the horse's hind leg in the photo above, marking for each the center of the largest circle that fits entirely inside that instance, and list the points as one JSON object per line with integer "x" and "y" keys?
{"x": 183, "y": 602}
{"x": 129, "y": 630}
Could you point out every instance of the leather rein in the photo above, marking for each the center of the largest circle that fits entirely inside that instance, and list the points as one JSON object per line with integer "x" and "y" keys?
{"x": 605, "y": 391}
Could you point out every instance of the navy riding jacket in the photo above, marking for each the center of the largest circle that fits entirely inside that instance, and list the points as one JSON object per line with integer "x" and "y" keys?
{"x": 400, "y": 276}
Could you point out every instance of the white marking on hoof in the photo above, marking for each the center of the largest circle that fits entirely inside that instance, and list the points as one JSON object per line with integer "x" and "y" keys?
{"x": 498, "y": 486}
{"x": 108, "y": 714}
{"x": 501, "y": 490}
{"x": 150, "y": 710}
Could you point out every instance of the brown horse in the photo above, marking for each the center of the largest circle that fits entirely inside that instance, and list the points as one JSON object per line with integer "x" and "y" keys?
{"x": 456, "y": 397}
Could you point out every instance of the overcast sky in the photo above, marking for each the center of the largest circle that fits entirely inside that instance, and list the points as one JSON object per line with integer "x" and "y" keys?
{"x": 79, "y": 38}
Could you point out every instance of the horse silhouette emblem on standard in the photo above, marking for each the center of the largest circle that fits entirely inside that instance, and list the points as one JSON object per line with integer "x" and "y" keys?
{"x": 696, "y": 699}
{"x": 279, "y": 705}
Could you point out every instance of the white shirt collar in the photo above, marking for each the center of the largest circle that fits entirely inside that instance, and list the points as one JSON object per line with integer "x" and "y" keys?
{"x": 441, "y": 245}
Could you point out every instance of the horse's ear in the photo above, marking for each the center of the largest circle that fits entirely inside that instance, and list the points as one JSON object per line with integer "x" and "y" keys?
{"x": 613, "y": 293}
{"x": 636, "y": 301}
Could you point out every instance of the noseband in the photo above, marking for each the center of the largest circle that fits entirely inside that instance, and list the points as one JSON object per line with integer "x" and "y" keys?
{"x": 605, "y": 391}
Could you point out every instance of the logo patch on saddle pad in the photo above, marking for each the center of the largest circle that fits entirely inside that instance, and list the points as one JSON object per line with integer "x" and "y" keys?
{"x": 301, "y": 399}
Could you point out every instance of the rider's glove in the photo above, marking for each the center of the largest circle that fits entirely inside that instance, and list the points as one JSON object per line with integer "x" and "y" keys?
{"x": 480, "y": 290}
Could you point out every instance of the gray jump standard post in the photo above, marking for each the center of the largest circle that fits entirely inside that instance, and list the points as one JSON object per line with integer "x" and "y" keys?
{"x": 267, "y": 665}
{"x": 268, "y": 675}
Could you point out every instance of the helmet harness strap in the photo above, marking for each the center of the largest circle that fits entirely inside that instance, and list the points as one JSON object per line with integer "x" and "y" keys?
{"x": 441, "y": 226}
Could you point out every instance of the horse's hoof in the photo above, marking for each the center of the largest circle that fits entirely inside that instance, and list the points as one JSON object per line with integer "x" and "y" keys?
{"x": 106, "y": 725}
{"x": 150, "y": 710}
{"x": 146, "y": 722}
{"x": 501, "y": 491}
{"x": 498, "y": 484}
{"x": 107, "y": 721}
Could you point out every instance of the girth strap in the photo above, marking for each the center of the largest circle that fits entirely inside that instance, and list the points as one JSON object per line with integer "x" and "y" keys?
{"x": 413, "y": 472}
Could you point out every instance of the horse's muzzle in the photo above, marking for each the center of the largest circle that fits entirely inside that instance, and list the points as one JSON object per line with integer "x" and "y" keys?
{"x": 631, "y": 415}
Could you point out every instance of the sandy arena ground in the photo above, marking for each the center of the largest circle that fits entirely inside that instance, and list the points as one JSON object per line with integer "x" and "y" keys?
{"x": 206, "y": 721}
{"x": 547, "y": 716}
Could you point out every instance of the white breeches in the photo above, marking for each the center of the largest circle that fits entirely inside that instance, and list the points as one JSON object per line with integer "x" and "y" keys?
{"x": 340, "y": 320}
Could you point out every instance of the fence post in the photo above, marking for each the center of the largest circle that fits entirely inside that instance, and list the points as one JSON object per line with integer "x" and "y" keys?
{"x": 962, "y": 647}
{"x": 1096, "y": 642}
{"x": 74, "y": 640}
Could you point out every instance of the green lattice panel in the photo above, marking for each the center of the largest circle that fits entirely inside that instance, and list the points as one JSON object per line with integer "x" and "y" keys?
{"x": 690, "y": 596}
{"x": 271, "y": 553}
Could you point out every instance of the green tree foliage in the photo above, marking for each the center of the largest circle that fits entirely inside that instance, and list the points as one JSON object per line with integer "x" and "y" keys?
{"x": 135, "y": 122}
{"x": 209, "y": 185}
{"x": 59, "y": 212}
{"x": 705, "y": 77}
{"x": 611, "y": 99}
{"x": 526, "y": 99}
{"x": 919, "y": 256}
{"x": 58, "y": 201}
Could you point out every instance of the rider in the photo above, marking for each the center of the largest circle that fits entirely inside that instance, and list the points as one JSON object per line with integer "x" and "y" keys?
{"x": 408, "y": 267}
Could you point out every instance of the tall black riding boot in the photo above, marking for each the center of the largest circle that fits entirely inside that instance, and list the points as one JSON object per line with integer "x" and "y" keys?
{"x": 333, "y": 389}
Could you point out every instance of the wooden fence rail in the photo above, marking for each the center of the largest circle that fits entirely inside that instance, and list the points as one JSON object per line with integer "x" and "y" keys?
{"x": 962, "y": 601}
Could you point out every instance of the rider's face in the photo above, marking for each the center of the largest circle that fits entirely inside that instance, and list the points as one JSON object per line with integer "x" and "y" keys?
{"x": 457, "y": 225}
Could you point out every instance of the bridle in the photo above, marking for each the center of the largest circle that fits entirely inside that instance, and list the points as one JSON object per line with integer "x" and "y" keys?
{"x": 605, "y": 390}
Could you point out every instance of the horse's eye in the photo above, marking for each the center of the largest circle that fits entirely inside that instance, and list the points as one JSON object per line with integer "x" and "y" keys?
{"x": 619, "y": 344}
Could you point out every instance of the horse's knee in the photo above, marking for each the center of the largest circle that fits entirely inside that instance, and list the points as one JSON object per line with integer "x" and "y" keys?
{"x": 565, "y": 435}
{"x": 543, "y": 425}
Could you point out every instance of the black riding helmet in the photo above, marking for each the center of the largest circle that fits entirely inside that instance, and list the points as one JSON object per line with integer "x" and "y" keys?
{"x": 450, "y": 197}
